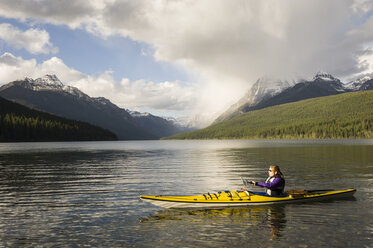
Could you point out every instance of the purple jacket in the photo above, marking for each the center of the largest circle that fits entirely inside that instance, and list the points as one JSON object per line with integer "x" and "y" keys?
{"x": 277, "y": 185}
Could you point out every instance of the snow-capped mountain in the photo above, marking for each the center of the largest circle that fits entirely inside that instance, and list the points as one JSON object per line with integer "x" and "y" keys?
{"x": 160, "y": 126}
{"x": 326, "y": 79}
{"x": 186, "y": 122}
{"x": 357, "y": 84}
{"x": 194, "y": 121}
{"x": 266, "y": 93}
{"x": 264, "y": 88}
{"x": 48, "y": 82}
{"x": 50, "y": 95}
{"x": 368, "y": 85}
{"x": 52, "y": 83}
{"x": 322, "y": 84}
{"x": 324, "y": 76}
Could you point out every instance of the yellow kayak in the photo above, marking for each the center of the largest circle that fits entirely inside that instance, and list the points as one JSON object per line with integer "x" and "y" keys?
{"x": 243, "y": 198}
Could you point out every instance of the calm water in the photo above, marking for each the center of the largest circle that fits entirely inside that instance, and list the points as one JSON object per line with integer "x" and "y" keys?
{"x": 87, "y": 194}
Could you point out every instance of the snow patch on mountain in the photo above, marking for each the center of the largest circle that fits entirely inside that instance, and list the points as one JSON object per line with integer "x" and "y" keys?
{"x": 356, "y": 84}
{"x": 137, "y": 114}
{"x": 330, "y": 80}
{"x": 52, "y": 83}
{"x": 49, "y": 81}
{"x": 172, "y": 120}
{"x": 324, "y": 76}
{"x": 185, "y": 122}
{"x": 266, "y": 87}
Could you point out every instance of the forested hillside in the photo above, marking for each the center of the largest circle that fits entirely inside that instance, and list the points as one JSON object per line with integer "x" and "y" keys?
{"x": 19, "y": 123}
{"x": 348, "y": 115}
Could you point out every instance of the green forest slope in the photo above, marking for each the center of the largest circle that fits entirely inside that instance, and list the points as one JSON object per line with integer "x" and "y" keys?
{"x": 348, "y": 115}
{"x": 19, "y": 123}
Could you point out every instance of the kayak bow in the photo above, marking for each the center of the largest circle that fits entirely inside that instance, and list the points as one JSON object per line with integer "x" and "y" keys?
{"x": 243, "y": 198}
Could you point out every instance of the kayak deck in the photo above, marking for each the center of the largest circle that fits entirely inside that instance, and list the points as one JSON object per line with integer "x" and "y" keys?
{"x": 242, "y": 198}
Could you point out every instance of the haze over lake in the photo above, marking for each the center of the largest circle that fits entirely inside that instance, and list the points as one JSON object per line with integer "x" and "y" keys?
{"x": 87, "y": 193}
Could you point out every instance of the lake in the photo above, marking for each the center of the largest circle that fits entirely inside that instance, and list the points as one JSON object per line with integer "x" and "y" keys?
{"x": 76, "y": 194}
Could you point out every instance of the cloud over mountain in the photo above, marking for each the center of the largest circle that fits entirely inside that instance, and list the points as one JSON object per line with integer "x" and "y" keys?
{"x": 235, "y": 38}
{"x": 171, "y": 96}
{"x": 33, "y": 40}
{"x": 227, "y": 44}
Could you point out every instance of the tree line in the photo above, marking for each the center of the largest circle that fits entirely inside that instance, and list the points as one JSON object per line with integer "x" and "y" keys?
{"x": 344, "y": 116}
{"x": 19, "y": 123}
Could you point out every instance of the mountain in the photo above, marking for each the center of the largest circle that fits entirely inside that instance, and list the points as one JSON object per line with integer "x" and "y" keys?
{"x": 347, "y": 115}
{"x": 365, "y": 83}
{"x": 322, "y": 84}
{"x": 159, "y": 126}
{"x": 48, "y": 94}
{"x": 263, "y": 89}
{"x": 19, "y": 123}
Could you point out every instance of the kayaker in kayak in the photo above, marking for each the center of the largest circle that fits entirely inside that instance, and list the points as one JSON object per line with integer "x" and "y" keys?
{"x": 275, "y": 182}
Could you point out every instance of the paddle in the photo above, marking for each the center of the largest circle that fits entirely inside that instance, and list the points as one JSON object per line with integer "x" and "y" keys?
{"x": 246, "y": 182}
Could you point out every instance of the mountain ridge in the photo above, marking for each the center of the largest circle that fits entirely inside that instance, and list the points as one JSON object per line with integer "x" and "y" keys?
{"x": 264, "y": 88}
{"x": 322, "y": 84}
{"x": 49, "y": 95}
{"x": 21, "y": 124}
{"x": 347, "y": 115}
{"x": 51, "y": 90}
{"x": 158, "y": 125}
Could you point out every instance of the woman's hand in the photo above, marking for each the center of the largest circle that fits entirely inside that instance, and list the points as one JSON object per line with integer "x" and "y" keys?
{"x": 253, "y": 182}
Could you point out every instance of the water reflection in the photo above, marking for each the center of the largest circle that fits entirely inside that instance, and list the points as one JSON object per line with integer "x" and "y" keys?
{"x": 268, "y": 219}
{"x": 306, "y": 167}
{"x": 277, "y": 221}
{"x": 76, "y": 194}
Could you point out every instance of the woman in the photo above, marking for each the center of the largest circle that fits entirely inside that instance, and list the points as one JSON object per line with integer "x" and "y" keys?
{"x": 275, "y": 182}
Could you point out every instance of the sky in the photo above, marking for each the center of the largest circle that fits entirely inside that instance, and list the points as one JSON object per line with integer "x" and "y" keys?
{"x": 182, "y": 57}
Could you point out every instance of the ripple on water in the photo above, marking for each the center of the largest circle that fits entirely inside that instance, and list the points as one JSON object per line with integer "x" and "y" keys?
{"x": 77, "y": 194}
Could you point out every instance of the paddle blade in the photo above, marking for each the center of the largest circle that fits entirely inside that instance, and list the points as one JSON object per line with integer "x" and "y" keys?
{"x": 245, "y": 182}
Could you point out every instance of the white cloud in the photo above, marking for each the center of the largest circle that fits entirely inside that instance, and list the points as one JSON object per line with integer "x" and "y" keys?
{"x": 163, "y": 96}
{"x": 70, "y": 12}
{"x": 140, "y": 94}
{"x": 33, "y": 40}
{"x": 244, "y": 39}
{"x": 228, "y": 43}
{"x": 13, "y": 68}
{"x": 361, "y": 6}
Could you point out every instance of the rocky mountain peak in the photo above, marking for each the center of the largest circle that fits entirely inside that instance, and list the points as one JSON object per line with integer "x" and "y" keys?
{"x": 29, "y": 80}
{"x": 50, "y": 95}
{"x": 324, "y": 76}
{"x": 49, "y": 81}
{"x": 357, "y": 84}
{"x": 363, "y": 83}
{"x": 264, "y": 88}
{"x": 52, "y": 83}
